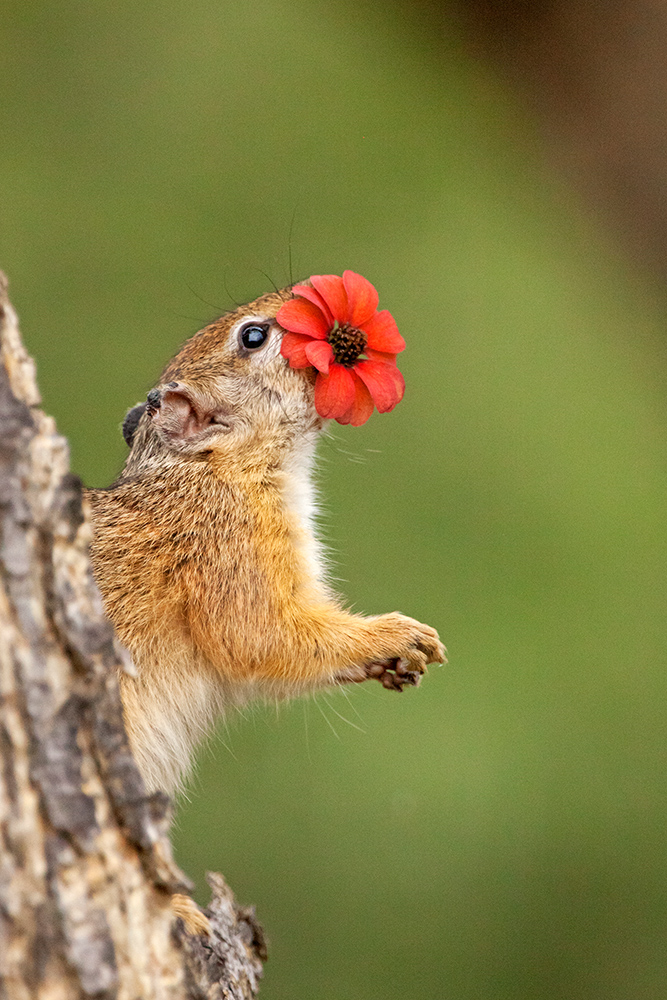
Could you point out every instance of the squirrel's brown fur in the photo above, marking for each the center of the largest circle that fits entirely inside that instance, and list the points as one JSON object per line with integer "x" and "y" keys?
{"x": 205, "y": 554}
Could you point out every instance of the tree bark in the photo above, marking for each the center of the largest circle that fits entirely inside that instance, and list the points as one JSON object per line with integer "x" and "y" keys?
{"x": 86, "y": 868}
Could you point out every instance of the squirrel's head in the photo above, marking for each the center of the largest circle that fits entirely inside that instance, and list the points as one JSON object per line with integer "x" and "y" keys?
{"x": 227, "y": 383}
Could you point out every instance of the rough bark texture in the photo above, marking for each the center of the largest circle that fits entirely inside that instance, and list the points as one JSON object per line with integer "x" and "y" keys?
{"x": 86, "y": 871}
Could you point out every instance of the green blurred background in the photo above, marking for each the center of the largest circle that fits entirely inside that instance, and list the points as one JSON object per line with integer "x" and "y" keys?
{"x": 499, "y": 833}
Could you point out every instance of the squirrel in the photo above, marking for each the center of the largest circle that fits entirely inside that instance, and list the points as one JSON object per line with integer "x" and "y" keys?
{"x": 205, "y": 551}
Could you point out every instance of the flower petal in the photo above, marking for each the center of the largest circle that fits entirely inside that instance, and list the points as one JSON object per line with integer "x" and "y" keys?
{"x": 320, "y": 354}
{"x": 334, "y": 393}
{"x": 362, "y": 297}
{"x": 306, "y": 292}
{"x": 361, "y": 408}
{"x": 332, "y": 290}
{"x": 300, "y": 316}
{"x": 384, "y": 382}
{"x": 293, "y": 347}
{"x": 383, "y": 334}
{"x": 380, "y": 356}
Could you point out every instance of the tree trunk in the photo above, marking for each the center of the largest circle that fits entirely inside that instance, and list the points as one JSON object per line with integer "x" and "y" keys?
{"x": 594, "y": 74}
{"x": 86, "y": 869}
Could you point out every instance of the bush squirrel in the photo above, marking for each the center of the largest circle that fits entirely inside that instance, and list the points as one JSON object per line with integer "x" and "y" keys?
{"x": 205, "y": 552}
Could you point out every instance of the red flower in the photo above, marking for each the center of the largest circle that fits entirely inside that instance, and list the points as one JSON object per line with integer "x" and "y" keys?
{"x": 333, "y": 324}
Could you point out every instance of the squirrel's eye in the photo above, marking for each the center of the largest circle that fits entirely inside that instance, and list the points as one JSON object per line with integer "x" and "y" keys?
{"x": 253, "y": 336}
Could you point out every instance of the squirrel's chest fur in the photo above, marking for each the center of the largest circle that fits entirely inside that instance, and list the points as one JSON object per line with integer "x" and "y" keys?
{"x": 197, "y": 569}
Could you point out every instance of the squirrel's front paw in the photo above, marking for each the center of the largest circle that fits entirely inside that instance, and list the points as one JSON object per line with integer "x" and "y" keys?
{"x": 408, "y": 645}
{"x": 404, "y": 648}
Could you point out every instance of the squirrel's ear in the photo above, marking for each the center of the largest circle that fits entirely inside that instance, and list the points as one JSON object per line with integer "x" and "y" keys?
{"x": 183, "y": 416}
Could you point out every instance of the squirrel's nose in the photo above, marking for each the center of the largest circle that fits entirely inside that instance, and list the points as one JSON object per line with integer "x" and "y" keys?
{"x": 154, "y": 400}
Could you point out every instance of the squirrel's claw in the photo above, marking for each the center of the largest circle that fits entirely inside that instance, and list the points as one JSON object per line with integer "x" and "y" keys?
{"x": 393, "y": 674}
{"x": 396, "y": 674}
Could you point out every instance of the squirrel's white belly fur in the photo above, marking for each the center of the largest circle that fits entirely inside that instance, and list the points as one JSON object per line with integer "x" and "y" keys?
{"x": 301, "y": 502}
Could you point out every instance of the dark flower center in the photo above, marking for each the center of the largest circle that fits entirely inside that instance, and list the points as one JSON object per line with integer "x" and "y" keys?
{"x": 348, "y": 344}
